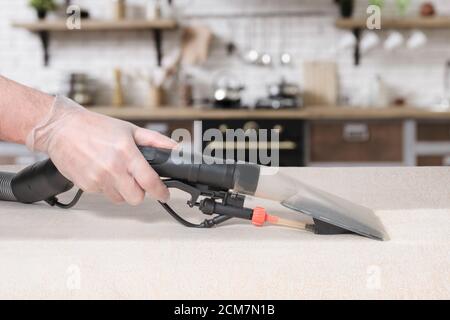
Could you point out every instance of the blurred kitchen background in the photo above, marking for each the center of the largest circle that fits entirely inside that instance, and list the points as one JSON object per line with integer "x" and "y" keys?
{"x": 338, "y": 93}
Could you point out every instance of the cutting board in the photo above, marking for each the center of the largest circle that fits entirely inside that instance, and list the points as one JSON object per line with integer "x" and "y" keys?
{"x": 320, "y": 83}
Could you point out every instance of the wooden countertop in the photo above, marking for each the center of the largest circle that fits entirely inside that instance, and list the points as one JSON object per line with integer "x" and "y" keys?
{"x": 309, "y": 113}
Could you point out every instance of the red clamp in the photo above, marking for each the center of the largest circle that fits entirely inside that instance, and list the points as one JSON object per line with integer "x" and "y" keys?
{"x": 260, "y": 216}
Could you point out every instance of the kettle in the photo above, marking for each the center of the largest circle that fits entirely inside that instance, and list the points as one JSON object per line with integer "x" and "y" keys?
{"x": 227, "y": 91}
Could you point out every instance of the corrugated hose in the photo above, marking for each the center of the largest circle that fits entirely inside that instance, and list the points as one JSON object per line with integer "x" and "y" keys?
{"x": 6, "y": 193}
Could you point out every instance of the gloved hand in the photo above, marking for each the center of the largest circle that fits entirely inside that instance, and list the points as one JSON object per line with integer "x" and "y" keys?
{"x": 99, "y": 153}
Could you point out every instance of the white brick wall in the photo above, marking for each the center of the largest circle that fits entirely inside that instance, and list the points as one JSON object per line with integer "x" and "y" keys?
{"x": 416, "y": 74}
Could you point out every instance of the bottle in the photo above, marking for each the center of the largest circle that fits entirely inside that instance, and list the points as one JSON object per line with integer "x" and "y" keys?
{"x": 118, "y": 100}
{"x": 119, "y": 9}
{"x": 379, "y": 93}
{"x": 186, "y": 91}
{"x": 153, "y": 10}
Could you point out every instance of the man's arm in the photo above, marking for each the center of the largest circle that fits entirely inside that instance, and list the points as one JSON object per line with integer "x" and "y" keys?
{"x": 95, "y": 152}
{"x": 21, "y": 108}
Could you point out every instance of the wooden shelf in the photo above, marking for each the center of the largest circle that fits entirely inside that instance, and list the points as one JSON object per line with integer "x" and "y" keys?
{"x": 399, "y": 23}
{"x": 44, "y": 28}
{"x": 310, "y": 113}
{"x": 98, "y": 25}
{"x": 357, "y": 25}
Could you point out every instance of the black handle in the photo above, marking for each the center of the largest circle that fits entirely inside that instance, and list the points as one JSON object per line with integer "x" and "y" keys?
{"x": 198, "y": 169}
{"x": 42, "y": 181}
{"x": 176, "y": 165}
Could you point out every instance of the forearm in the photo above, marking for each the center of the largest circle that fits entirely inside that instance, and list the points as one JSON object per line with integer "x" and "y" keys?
{"x": 21, "y": 108}
{"x": 95, "y": 152}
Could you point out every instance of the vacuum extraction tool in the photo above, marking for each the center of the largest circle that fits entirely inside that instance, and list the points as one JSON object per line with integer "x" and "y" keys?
{"x": 217, "y": 188}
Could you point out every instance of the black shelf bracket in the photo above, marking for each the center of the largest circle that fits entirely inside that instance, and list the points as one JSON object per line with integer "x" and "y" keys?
{"x": 357, "y": 51}
{"x": 44, "y": 36}
{"x": 158, "y": 38}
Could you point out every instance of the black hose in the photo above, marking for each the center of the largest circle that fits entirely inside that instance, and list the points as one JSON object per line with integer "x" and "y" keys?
{"x": 55, "y": 202}
{"x": 38, "y": 182}
{"x": 6, "y": 192}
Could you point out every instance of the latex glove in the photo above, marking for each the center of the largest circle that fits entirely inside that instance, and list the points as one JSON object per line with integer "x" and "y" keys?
{"x": 98, "y": 153}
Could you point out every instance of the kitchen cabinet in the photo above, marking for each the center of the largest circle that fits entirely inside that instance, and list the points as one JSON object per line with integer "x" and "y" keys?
{"x": 312, "y": 136}
{"x": 433, "y": 161}
{"x": 433, "y": 143}
{"x": 433, "y": 131}
{"x": 356, "y": 141}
